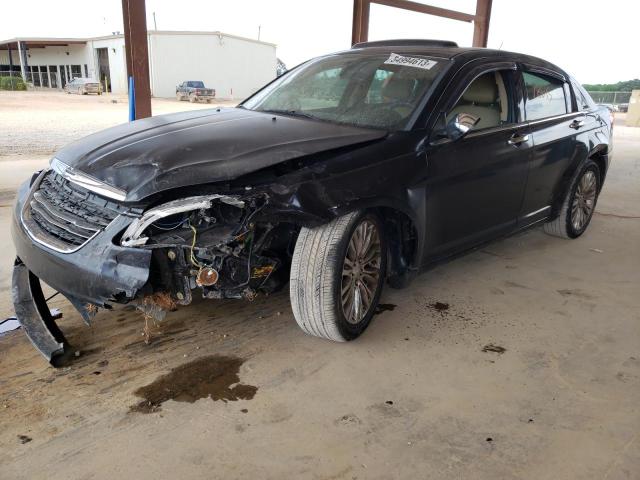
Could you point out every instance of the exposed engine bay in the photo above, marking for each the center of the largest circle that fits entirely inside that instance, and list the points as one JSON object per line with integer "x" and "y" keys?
{"x": 220, "y": 248}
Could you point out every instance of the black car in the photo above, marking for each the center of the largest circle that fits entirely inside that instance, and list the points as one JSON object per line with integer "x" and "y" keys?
{"x": 349, "y": 171}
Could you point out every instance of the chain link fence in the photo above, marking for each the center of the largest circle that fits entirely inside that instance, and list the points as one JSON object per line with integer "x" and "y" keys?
{"x": 612, "y": 98}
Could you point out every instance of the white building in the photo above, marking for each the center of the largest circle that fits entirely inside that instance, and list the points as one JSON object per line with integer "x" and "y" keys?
{"x": 234, "y": 66}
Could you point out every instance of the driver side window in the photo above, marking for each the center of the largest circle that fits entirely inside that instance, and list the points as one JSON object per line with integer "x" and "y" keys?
{"x": 486, "y": 98}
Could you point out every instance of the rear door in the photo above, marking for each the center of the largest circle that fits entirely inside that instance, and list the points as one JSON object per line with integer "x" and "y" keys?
{"x": 476, "y": 183}
{"x": 554, "y": 127}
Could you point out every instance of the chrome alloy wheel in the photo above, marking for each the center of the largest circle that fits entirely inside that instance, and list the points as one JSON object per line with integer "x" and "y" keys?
{"x": 584, "y": 200}
{"x": 361, "y": 271}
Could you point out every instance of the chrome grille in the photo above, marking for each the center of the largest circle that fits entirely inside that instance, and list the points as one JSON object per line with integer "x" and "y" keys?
{"x": 65, "y": 216}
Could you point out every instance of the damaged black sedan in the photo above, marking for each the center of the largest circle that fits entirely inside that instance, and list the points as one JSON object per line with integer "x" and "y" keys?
{"x": 348, "y": 172}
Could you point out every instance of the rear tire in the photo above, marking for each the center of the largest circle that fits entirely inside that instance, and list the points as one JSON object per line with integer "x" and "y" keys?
{"x": 345, "y": 255}
{"x": 579, "y": 203}
{"x": 178, "y": 97}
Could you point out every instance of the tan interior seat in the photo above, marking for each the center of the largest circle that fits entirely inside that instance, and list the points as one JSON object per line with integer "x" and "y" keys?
{"x": 481, "y": 99}
{"x": 399, "y": 91}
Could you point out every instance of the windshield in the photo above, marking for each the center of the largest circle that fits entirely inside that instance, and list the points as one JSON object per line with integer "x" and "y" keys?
{"x": 379, "y": 91}
{"x": 195, "y": 84}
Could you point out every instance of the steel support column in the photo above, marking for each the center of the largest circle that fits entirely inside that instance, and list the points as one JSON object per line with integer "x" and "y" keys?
{"x": 360, "y": 29}
{"x": 361, "y": 8}
{"x": 136, "y": 48}
{"x": 24, "y": 64}
{"x": 481, "y": 23}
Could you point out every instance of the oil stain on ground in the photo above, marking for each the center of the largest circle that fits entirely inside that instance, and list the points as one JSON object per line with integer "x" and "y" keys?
{"x": 439, "y": 306}
{"x": 214, "y": 377}
{"x": 494, "y": 348}
{"x": 384, "y": 307}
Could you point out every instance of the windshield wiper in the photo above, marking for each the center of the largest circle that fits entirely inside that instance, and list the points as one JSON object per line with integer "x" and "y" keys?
{"x": 292, "y": 113}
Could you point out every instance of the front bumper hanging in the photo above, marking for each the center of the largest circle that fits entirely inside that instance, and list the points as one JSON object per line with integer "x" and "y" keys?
{"x": 34, "y": 315}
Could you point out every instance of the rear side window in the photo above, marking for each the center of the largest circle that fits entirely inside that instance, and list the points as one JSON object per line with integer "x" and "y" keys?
{"x": 583, "y": 99}
{"x": 544, "y": 96}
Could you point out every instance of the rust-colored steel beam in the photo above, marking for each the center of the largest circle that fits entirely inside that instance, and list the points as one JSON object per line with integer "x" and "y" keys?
{"x": 360, "y": 29}
{"x": 361, "y": 8}
{"x": 428, "y": 9}
{"x": 135, "y": 41}
{"x": 481, "y": 23}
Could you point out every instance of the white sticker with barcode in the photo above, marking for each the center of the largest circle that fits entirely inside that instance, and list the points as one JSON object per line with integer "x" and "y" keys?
{"x": 395, "y": 59}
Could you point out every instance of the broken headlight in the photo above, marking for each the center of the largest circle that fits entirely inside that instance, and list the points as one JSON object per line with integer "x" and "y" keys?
{"x": 170, "y": 212}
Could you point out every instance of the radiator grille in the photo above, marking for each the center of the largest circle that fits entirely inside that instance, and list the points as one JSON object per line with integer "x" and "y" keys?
{"x": 65, "y": 216}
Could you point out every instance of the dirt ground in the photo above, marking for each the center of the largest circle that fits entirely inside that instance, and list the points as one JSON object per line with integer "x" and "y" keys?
{"x": 519, "y": 360}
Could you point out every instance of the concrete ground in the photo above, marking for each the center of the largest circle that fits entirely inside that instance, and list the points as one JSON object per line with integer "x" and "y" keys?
{"x": 520, "y": 360}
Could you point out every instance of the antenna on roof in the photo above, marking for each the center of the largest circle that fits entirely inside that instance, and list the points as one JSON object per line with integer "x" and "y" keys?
{"x": 155, "y": 27}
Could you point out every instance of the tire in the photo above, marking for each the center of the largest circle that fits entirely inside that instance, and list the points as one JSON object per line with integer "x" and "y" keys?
{"x": 192, "y": 98}
{"x": 317, "y": 275}
{"x": 178, "y": 97}
{"x": 567, "y": 224}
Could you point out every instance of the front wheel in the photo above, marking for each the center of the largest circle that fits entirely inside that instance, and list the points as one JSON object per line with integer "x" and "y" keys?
{"x": 337, "y": 274}
{"x": 579, "y": 203}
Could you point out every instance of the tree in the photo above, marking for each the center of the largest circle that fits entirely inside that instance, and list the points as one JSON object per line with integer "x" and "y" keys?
{"x": 625, "y": 86}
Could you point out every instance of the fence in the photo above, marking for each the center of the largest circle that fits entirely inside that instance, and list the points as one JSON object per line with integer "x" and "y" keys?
{"x": 613, "y": 98}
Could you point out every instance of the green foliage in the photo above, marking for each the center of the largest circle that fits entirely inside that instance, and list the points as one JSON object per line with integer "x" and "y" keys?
{"x": 625, "y": 86}
{"x": 12, "y": 83}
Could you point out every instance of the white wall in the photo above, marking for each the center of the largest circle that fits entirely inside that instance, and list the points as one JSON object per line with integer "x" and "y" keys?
{"x": 235, "y": 67}
{"x": 117, "y": 61}
{"x": 4, "y": 57}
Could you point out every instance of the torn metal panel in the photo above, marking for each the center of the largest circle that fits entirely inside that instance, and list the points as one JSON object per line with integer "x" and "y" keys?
{"x": 86, "y": 310}
{"x": 33, "y": 314}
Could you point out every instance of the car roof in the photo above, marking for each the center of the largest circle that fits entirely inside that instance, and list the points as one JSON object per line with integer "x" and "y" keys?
{"x": 449, "y": 50}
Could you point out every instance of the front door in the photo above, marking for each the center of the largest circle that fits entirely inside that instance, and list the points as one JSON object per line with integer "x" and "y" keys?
{"x": 477, "y": 182}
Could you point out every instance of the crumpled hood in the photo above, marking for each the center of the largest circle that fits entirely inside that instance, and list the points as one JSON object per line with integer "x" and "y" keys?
{"x": 169, "y": 151}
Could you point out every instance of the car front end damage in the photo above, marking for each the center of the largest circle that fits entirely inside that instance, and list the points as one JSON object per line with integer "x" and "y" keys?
{"x": 97, "y": 251}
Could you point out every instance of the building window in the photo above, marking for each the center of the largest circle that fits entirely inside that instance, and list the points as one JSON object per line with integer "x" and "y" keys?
{"x": 63, "y": 76}
{"x": 45, "y": 76}
{"x": 35, "y": 74}
{"x": 76, "y": 71}
{"x": 53, "y": 73}
{"x": 86, "y": 71}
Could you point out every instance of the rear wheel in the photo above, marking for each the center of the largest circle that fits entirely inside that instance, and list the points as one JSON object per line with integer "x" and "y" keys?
{"x": 579, "y": 203}
{"x": 337, "y": 274}
{"x": 178, "y": 97}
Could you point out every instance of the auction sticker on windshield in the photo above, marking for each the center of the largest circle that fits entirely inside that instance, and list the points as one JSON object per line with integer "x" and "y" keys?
{"x": 395, "y": 59}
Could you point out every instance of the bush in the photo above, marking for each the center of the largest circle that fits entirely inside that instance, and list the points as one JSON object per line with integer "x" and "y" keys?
{"x": 12, "y": 83}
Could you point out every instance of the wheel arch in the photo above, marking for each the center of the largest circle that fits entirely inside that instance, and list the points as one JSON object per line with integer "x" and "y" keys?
{"x": 598, "y": 153}
{"x": 402, "y": 228}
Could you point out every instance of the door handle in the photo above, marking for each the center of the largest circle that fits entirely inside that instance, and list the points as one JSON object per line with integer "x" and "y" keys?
{"x": 576, "y": 124}
{"x": 517, "y": 139}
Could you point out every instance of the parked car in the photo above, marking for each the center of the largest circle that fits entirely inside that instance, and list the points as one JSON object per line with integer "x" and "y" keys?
{"x": 194, "y": 91}
{"x": 83, "y": 86}
{"x": 623, "y": 107}
{"x": 349, "y": 172}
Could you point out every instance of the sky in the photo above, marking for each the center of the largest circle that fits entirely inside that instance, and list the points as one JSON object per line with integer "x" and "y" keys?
{"x": 596, "y": 42}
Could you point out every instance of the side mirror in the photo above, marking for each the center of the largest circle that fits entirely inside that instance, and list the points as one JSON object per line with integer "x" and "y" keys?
{"x": 460, "y": 125}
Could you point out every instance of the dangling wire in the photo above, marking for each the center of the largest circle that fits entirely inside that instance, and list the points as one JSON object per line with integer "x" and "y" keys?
{"x": 192, "y": 257}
